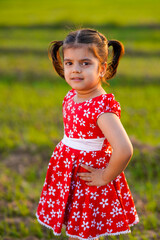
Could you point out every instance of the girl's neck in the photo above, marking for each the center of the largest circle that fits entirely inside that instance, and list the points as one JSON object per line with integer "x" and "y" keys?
{"x": 88, "y": 94}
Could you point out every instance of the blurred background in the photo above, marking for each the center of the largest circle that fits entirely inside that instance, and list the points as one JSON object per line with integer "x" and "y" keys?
{"x": 31, "y": 96}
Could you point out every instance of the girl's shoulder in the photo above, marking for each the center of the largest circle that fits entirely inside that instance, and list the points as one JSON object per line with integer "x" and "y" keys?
{"x": 109, "y": 104}
{"x": 69, "y": 95}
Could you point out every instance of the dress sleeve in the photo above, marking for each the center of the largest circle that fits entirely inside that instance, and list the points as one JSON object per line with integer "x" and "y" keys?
{"x": 70, "y": 94}
{"x": 110, "y": 105}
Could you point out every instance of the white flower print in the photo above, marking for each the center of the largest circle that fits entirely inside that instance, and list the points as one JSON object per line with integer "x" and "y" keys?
{"x": 67, "y": 162}
{"x": 89, "y": 164}
{"x": 66, "y": 188}
{"x": 79, "y": 193}
{"x": 59, "y": 173}
{"x": 110, "y": 99}
{"x": 93, "y": 223}
{"x": 76, "y": 228}
{"x": 52, "y": 191}
{"x": 62, "y": 194}
{"x": 58, "y": 202}
{"x": 92, "y": 125}
{"x": 75, "y": 204}
{"x": 78, "y": 185}
{"x": 67, "y": 149}
{"x": 126, "y": 195}
{"x": 50, "y": 203}
{"x": 91, "y": 205}
{"x": 81, "y": 234}
{"x": 103, "y": 215}
{"x": 100, "y": 225}
{"x": 82, "y": 122}
{"x": 80, "y": 107}
{"x": 53, "y": 213}
{"x": 104, "y": 191}
{"x": 81, "y": 135}
{"x": 84, "y": 153}
{"x": 47, "y": 218}
{"x": 87, "y": 191}
{"x": 83, "y": 205}
{"x": 94, "y": 195}
{"x": 115, "y": 203}
{"x": 69, "y": 225}
{"x": 73, "y": 184}
{"x": 75, "y": 118}
{"x": 66, "y": 126}
{"x": 58, "y": 224}
{"x": 69, "y": 106}
{"x": 104, "y": 202}
{"x": 133, "y": 210}
{"x": 116, "y": 211}
{"x": 73, "y": 110}
{"x": 44, "y": 193}
{"x": 120, "y": 224}
{"x": 65, "y": 176}
{"x": 63, "y": 205}
{"x": 109, "y": 231}
{"x": 74, "y": 128}
{"x": 85, "y": 225}
{"x": 68, "y": 118}
{"x": 95, "y": 211}
{"x": 86, "y": 113}
{"x": 84, "y": 215}
{"x": 100, "y": 161}
{"x": 109, "y": 221}
{"x": 93, "y": 154}
{"x": 121, "y": 185}
{"x": 70, "y": 134}
{"x": 90, "y": 133}
{"x": 59, "y": 213}
{"x": 88, "y": 102}
{"x": 42, "y": 200}
{"x": 42, "y": 212}
{"x": 127, "y": 204}
{"x": 59, "y": 185}
{"x": 53, "y": 178}
{"x": 55, "y": 154}
{"x": 76, "y": 215}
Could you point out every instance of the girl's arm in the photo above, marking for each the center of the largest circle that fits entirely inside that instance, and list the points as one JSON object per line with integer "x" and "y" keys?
{"x": 115, "y": 133}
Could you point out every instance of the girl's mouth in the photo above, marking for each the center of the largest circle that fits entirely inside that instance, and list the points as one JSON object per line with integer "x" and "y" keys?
{"x": 76, "y": 79}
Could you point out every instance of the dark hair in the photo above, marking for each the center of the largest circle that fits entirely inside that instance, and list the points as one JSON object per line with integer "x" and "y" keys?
{"x": 96, "y": 42}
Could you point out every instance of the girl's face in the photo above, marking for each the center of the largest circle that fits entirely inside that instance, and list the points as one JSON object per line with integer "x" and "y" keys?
{"x": 82, "y": 69}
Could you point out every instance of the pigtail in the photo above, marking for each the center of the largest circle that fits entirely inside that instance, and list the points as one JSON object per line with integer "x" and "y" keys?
{"x": 118, "y": 51}
{"x": 54, "y": 56}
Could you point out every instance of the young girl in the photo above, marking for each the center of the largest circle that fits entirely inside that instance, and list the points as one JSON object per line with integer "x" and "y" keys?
{"x": 85, "y": 188}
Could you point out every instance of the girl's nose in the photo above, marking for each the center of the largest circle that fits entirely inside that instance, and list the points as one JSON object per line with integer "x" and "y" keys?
{"x": 76, "y": 69}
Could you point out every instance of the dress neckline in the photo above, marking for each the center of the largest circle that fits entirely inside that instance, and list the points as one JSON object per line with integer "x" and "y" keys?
{"x": 88, "y": 99}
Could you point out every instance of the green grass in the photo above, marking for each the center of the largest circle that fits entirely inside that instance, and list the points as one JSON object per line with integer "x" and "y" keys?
{"x": 119, "y": 12}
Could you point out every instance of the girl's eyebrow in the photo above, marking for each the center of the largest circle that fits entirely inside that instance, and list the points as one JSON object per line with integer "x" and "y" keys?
{"x": 67, "y": 59}
{"x": 84, "y": 59}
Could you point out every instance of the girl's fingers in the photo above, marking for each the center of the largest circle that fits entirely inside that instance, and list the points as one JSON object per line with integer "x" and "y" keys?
{"x": 91, "y": 169}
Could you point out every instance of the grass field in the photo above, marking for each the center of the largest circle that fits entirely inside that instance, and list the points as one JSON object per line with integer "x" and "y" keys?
{"x": 31, "y": 97}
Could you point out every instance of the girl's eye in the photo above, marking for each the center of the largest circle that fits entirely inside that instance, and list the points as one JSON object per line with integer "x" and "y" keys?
{"x": 85, "y": 63}
{"x": 68, "y": 63}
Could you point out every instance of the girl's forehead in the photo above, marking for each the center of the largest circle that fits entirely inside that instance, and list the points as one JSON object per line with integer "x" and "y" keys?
{"x": 78, "y": 51}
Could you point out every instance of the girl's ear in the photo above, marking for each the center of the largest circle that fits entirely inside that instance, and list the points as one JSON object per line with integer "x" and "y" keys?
{"x": 103, "y": 69}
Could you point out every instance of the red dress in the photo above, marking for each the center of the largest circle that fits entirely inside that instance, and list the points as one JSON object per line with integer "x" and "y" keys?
{"x": 88, "y": 212}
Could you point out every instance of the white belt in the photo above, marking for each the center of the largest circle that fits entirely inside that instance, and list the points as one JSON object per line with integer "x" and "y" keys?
{"x": 94, "y": 144}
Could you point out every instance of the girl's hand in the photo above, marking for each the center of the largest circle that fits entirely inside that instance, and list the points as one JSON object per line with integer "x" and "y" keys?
{"x": 94, "y": 178}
